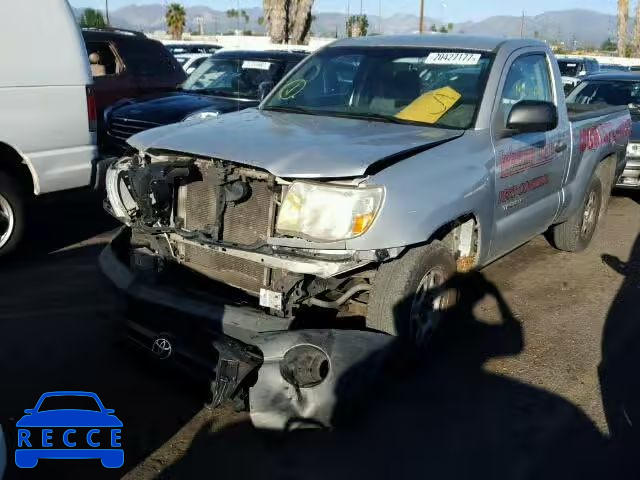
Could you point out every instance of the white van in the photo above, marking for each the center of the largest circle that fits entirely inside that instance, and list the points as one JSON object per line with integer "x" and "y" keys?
{"x": 47, "y": 109}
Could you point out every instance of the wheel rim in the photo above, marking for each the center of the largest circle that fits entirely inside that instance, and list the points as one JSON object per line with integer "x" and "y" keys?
{"x": 427, "y": 306}
{"x": 7, "y": 221}
{"x": 590, "y": 214}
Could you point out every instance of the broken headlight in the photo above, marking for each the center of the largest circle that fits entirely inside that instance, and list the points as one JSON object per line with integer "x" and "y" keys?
{"x": 326, "y": 212}
{"x": 120, "y": 199}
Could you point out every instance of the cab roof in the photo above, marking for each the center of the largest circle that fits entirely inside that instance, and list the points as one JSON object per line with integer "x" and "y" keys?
{"x": 440, "y": 41}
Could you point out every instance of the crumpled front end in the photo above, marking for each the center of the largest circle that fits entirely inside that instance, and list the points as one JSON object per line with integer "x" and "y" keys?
{"x": 219, "y": 219}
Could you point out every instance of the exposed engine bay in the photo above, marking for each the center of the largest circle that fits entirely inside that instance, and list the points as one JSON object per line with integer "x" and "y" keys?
{"x": 218, "y": 219}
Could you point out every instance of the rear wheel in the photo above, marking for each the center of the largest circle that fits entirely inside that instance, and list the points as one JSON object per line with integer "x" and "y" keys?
{"x": 576, "y": 233}
{"x": 402, "y": 300}
{"x": 12, "y": 217}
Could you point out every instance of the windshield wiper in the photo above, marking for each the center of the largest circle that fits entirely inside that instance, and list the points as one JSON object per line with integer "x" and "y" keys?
{"x": 376, "y": 117}
{"x": 291, "y": 109}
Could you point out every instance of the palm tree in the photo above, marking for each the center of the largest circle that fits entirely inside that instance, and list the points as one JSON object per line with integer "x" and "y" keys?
{"x": 275, "y": 14}
{"x": 299, "y": 21}
{"x": 636, "y": 32}
{"x": 623, "y": 18}
{"x": 288, "y": 21}
{"x": 176, "y": 18}
{"x": 92, "y": 19}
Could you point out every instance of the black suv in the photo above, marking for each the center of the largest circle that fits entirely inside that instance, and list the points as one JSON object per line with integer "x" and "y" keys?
{"x": 127, "y": 64}
{"x": 226, "y": 82}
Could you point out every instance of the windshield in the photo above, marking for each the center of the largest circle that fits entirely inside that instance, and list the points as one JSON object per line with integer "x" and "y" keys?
{"x": 233, "y": 77}
{"x": 412, "y": 85}
{"x": 608, "y": 92}
{"x": 569, "y": 68}
{"x": 69, "y": 402}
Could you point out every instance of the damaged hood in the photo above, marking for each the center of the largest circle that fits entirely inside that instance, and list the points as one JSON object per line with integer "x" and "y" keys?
{"x": 294, "y": 145}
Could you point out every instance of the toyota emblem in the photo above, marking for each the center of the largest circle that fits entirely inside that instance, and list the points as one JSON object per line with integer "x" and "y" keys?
{"x": 162, "y": 348}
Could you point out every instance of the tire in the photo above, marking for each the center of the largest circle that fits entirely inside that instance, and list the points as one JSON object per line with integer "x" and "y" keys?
{"x": 395, "y": 306}
{"x": 12, "y": 214}
{"x": 576, "y": 233}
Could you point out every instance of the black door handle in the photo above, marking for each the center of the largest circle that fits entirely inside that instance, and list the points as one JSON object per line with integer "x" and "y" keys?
{"x": 560, "y": 147}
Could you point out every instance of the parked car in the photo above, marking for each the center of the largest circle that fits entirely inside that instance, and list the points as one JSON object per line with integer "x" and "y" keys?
{"x": 127, "y": 64}
{"x": 608, "y": 67}
{"x": 226, "y": 82}
{"x": 355, "y": 196}
{"x": 177, "y": 48}
{"x": 48, "y": 112}
{"x": 191, "y": 61}
{"x": 616, "y": 89}
{"x": 574, "y": 68}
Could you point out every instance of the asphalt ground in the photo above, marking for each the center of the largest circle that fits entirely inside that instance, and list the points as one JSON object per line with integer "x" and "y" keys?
{"x": 513, "y": 391}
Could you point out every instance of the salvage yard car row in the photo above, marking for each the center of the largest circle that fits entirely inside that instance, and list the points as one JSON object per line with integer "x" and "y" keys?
{"x": 349, "y": 185}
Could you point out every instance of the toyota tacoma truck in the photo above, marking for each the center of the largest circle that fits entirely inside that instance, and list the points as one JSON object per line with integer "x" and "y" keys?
{"x": 373, "y": 172}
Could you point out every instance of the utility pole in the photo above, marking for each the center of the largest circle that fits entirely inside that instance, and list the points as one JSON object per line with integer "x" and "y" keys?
{"x": 380, "y": 17}
{"x": 106, "y": 11}
{"x": 421, "y": 27}
{"x": 522, "y": 26}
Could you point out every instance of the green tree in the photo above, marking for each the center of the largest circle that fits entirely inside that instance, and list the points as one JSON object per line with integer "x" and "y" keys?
{"x": 92, "y": 18}
{"x": 357, "y": 26}
{"x": 176, "y": 18}
{"x": 450, "y": 27}
{"x": 433, "y": 28}
{"x": 608, "y": 46}
{"x": 443, "y": 29}
{"x": 239, "y": 14}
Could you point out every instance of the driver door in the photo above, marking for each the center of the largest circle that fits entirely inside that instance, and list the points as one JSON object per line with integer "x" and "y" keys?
{"x": 529, "y": 167}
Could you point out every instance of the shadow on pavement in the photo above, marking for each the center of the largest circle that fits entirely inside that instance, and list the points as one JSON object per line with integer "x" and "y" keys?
{"x": 618, "y": 369}
{"x": 404, "y": 413}
{"x": 57, "y": 334}
{"x": 59, "y": 221}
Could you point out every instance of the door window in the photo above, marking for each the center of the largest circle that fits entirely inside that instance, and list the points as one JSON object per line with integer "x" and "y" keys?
{"x": 102, "y": 59}
{"x": 528, "y": 79}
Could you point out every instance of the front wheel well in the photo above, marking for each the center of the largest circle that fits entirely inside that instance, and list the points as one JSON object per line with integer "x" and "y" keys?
{"x": 462, "y": 237}
{"x": 11, "y": 163}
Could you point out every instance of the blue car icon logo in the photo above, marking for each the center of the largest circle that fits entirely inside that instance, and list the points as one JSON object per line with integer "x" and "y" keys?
{"x": 69, "y": 425}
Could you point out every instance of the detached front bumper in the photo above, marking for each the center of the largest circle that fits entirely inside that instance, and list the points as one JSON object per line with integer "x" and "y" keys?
{"x": 230, "y": 341}
{"x": 630, "y": 177}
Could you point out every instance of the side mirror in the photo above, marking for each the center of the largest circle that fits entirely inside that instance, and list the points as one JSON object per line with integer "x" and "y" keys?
{"x": 529, "y": 116}
{"x": 109, "y": 411}
{"x": 29, "y": 411}
{"x": 264, "y": 88}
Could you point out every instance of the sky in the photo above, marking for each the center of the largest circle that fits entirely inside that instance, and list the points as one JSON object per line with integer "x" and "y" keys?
{"x": 447, "y": 11}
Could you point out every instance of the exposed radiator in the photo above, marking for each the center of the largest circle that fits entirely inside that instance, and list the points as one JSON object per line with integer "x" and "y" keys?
{"x": 246, "y": 223}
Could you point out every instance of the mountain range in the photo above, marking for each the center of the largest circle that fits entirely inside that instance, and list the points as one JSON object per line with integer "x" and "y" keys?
{"x": 579, "y": 28}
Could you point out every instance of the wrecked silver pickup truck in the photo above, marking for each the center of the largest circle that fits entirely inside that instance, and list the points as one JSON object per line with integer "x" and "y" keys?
{"x": 371, "y": 174}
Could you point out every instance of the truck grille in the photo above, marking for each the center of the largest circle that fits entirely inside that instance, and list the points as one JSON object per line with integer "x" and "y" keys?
{"x": 246, "y": 223}
{"x": 122, "y": 128}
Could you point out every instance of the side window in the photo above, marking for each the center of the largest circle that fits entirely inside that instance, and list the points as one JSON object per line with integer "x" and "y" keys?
{"x": 102, "y": 59}
{"x": 148, "y": 59}
{"x": 528, "y": 79}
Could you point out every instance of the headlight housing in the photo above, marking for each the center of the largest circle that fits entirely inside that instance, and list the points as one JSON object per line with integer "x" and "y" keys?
{"x": 120, "y": 199}
{"x": 633, "y": 150}
{"x": 327, "y": 212}
{"x": 200, "y": 116}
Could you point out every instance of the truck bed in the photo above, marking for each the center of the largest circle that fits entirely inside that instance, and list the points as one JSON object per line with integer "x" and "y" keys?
{"x": 580, "y": 111}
